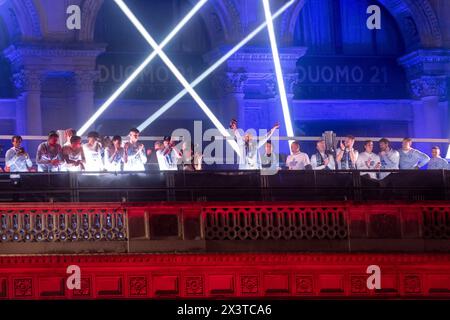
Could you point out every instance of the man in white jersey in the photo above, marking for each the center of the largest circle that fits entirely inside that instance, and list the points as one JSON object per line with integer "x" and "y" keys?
{"x": 48, "y": 155}
{"x": 16, "y": 159}
{"x": 250, "y": 158}
{"x": 368, "y": 160}
{"x": 135, "y": 154}
{"x": 297, "y": 160}
{"x": 115, "y": 155}
{"x": 168, "y": 155}
{"x": 73, "y": 155}
{"x": 93, "y": 151}
{"x": 69, "y": 133}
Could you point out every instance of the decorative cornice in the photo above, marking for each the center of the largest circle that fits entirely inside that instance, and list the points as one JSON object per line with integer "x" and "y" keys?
{"x": 228, "y": 259}
{"x": 293, "y": 54}
{"x": 27, "y": 81}
{"x": 15, "y": 52}
{"x": 426, "y": 62}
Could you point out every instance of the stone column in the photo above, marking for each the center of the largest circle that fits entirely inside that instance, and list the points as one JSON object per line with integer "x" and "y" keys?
{"x": 430, "y": 108}
{"x": 29, "y": 112}
{"x": 28, "y": 85}
{"x": 428, "y": 72}
{"x": 84, "y": 95}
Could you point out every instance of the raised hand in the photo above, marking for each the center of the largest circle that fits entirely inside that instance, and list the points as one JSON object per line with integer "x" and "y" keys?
{"x": 276, "y": 126}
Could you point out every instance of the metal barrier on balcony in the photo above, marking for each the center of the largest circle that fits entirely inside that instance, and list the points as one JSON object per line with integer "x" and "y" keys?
{"x": 307, "y": 185}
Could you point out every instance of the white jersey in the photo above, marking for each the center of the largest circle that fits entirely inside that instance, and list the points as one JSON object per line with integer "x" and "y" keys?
{"x": 250, "y": 159}
{"x": 71, "y": 156}
{"x": 17, "y": 162}
{"x": 46, "y": 154}
{"x": 114, "y": 160}
{"x": 297, "y": 161}
{"x": 368, "y": 161}
{"x": 136, "y": 157}
{"x": 167, "y": 161}
{"x": 93, "y": 154}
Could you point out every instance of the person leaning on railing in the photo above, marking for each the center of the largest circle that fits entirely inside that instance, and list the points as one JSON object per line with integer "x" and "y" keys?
{"x": 49, "y": 154}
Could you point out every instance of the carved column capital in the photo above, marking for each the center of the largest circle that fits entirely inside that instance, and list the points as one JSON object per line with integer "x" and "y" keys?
{"x": 230, "y": 82}
{"x": 27, "y": 81}
{"x": 428, "y": 72}
{"x": 428, "y": 86}
{"x": 84, "y": 80}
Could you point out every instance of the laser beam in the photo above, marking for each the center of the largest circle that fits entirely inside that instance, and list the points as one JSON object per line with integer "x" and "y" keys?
{"x": 278, "y": 70}
{"x": 140, "y": 68}
{"x": 177, "y": 73}
{"x": 211, "y": 69}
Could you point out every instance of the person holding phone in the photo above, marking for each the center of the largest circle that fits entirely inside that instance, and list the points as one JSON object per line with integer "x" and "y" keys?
{"x": 115, "y": 155}
{"x": 16, "y": 158}
{"x": 73, "y": 155}
{"x": 368, "y": 160}
{"x": 135, "y": 155}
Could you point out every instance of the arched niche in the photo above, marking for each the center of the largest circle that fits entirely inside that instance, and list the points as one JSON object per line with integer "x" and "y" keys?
{"x": 416, "y": 20}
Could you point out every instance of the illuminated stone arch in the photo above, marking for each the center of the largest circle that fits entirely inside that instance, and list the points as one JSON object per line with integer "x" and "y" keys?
{"x": 416, "y": 19}
{"x": 221, "y": 18}
{"x": 89, "y": 12}
{"x": 22, "y": 19}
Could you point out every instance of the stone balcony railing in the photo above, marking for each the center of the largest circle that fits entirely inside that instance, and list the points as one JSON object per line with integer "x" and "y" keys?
{"x": 224, "y": 227}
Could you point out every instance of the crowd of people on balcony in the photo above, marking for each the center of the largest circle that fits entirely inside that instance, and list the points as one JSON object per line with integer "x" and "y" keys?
{"x": 105, "y": 154}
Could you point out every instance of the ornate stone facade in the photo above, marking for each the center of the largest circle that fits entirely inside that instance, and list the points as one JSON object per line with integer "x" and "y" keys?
{"x": 41, "y": 46}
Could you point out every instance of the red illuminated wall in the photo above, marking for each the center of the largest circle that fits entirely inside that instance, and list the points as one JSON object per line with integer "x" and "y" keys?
{"x": 409, "y": 242}
{"x": 225, "y": 275}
